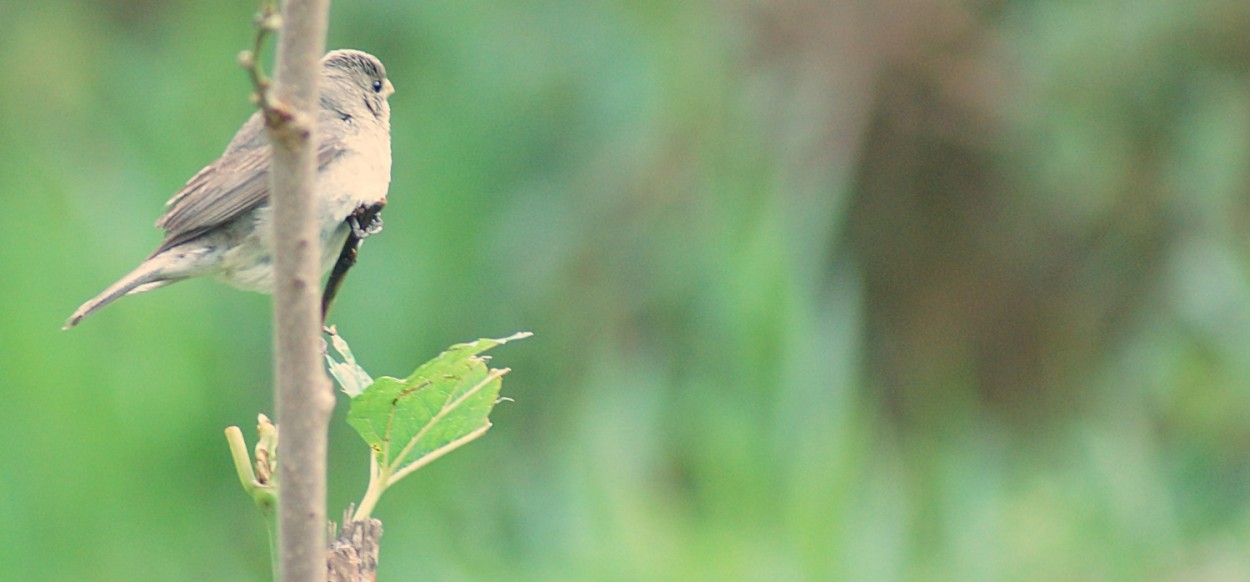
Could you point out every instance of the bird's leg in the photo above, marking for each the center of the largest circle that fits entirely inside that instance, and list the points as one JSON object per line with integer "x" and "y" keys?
{"x": 365, "y": 221}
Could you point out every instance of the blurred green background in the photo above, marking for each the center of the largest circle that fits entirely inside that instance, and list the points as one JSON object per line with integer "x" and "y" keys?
{"x": 823, "y": 290}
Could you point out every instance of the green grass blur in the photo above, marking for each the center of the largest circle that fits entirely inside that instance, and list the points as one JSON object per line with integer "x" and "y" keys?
{"x": 822, "y": 290}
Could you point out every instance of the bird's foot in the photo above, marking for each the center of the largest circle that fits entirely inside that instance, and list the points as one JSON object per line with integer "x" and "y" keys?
{"x": 365, "y": 223}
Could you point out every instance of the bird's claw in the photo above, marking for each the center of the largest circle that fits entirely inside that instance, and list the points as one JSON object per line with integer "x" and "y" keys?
{"x": 371, "y": 226}
{"x": 375, "y": 224}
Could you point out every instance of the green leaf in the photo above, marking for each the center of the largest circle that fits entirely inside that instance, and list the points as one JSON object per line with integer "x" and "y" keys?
{"x": 442, "y": 405}
{"x": 352, "y": 378}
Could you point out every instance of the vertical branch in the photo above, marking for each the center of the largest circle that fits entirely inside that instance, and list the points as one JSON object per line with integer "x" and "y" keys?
{"x": 303, "y": 395}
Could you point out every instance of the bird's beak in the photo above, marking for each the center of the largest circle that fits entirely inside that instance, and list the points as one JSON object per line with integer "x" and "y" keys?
{"x": 389, "y": 89}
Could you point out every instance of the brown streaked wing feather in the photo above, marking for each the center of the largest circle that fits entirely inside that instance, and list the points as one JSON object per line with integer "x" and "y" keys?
{"x": 232, "y": 185}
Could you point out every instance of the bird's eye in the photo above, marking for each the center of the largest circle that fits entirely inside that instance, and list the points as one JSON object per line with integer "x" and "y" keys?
{"x": 377, "y": 86}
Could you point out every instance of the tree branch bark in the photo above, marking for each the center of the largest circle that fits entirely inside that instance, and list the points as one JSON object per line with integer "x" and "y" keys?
{"x": 303, "y": 395}
{"x": 353, "y": 556}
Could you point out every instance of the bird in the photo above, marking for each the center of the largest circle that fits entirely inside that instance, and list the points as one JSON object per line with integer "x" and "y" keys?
{"x": 220, "y": 223}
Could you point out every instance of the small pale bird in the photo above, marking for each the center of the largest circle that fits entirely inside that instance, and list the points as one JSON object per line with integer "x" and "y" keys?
{"x": 220, "y": 222}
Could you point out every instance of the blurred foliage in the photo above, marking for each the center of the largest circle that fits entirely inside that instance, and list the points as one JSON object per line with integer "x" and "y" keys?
{"x": 904, "y": 289}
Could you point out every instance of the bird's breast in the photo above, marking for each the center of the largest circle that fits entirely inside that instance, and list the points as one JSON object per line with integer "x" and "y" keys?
{"x": 359, "y": 177}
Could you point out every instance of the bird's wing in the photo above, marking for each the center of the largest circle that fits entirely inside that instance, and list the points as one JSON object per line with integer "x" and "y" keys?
{"x": 232, "y": 185}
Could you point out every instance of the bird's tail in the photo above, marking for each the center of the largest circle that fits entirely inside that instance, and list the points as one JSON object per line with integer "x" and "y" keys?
{"x": 145, "y": 277}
